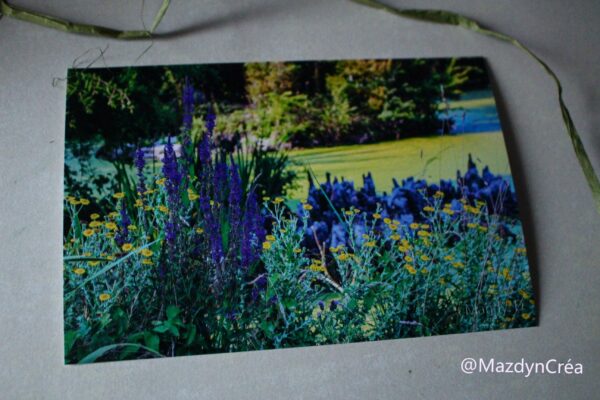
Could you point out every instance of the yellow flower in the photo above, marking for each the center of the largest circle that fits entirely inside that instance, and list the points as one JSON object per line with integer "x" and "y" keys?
{"x": 428, "y": 209}
{"x": 449, "y": 257}
{"x": 266, "y": 198}
{"x": 283, "y": 230}
{"x": 370, "y": 243}
{"x": 408, "y": 259}
{"x": 317, "y": 268}
{"x": 73, "y": 202}
{"x": 163, "y": 209}
{"x": 471, "y": 225}
{"x": 393, "y": 227}
{"x": 344, "y": 257}
{"x": 524, "y": 294}
{"x": 95, "y": 224}
{"x": 148, "y": 208}
{"x": 448, "y": 211}
{"x": 132, "y": 227}
{"x": 199, "y": 231}
{"x": 307, "y": 207}
{"x": 84, "y": 202}
{"x": 95, "y": 216}
{"x": 508, "y": 302}
{"x": 521, "y": 250}
{"x": 526, "y": 315}
{"x": 414, "y": 226}
{"x": 297, "y": 250}
{"x": 93, "y": 263}
{"x": 104, "y": 296}
{"x": 483, "y": 228}
{"x": 270, "y": 238}
{"x": 110, "y": 258}
{"x": 127, "y": 247}
{"x": 424, "y": 271}
{"x": 278, "y": 200}
{"x": 424, "y": 226}
{"x": 425, "y": 258}
{"x": 423, "y": 233}
{"x": 377, "y": 216}
{"x": 387, "y": 221}
{"x": 88, "y": 232}
{"x": 161, "y": 181}
{"x": 147, "y": 261}
{"x": 147, "y": 252}
{"x": 395, "y": 237}
{"x": 119, "y": 195}
{"x": 87, "y": 254}
{"x": 506, "y": 274}
{"x": 113, "y": 214}
{"x": 365, "y": 236}
{"x": 266, "y": 245}
{"x": 139, "y": 203}
{"x": 411, "y": 270}
{"x": 349, "y": 212}
{"x": 458, "y": 265}
{"x": 111, "y": 225}
{"x": 438, "y": 194}
{"x": 403, "y": 248}
{"x": 193, "y": 196}
{"x": 472, "y": 210}
{"x": 79, "y": 271}
{"x": 149, "y": 191}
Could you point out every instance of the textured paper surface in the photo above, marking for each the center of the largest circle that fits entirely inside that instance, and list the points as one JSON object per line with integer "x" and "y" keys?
{"x": 560, "y": 221}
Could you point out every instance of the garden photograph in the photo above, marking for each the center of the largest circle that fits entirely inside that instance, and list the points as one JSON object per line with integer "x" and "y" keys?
{"x": 251, "y": 206}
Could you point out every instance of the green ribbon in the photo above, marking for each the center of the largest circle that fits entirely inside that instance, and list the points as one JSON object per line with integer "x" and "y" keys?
{"x": 434, "y": 16}
{"x": 451, "y": 18}
{"x": 82, "y": 29}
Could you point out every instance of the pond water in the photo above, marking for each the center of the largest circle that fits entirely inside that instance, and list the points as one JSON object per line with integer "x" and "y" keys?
{"x": 473, "y": 112}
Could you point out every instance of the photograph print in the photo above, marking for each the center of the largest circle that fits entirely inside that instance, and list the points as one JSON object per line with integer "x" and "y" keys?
{"x": 250, "y": 206}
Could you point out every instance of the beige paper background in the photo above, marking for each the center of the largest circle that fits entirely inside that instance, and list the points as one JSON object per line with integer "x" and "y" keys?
{"x": 562, "y": 227}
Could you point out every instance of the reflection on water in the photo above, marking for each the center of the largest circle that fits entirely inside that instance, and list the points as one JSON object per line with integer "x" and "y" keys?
{"x": 473, "y": 112}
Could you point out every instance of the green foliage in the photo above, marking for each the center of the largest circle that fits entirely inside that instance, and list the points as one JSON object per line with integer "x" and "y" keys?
{"x": 268, "y": 171}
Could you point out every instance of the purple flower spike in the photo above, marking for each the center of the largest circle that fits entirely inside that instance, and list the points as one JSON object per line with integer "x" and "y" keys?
{"x": 173, "y": 174}
{"x": 140, "y": 163}
{"x": 124, "y": 221}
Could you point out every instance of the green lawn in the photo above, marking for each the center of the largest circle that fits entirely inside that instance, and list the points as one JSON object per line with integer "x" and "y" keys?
{"x": 431, "y": 158}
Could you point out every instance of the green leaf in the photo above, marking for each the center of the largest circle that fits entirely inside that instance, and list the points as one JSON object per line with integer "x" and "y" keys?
{"x": 70, "y": 338}
{"x": 172, "y": 312}
{"x": 174, "y": 331}
{"x": 161, "y": 328}
{"x": 151, "y": 340}
{"x": 96, "y": 354}
{"x": 191, "y": 334}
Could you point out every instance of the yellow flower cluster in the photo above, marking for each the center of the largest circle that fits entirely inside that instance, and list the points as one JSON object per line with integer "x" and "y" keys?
{"x": 317, "y": 266}
{"x": 75, "y": 202}
{"x": 193, "y": 196}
